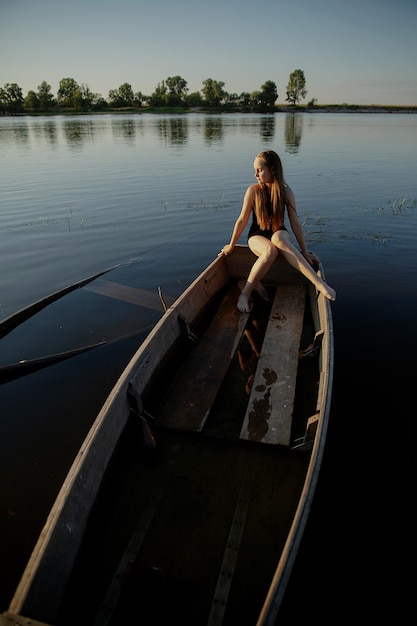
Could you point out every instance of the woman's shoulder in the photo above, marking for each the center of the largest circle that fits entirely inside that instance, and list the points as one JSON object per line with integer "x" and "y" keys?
{"x": 251, "y": 190}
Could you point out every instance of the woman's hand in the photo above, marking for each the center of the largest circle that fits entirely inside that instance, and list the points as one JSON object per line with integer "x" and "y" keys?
{"x": 227, "y": 249}
{"x": 311, "y": 258}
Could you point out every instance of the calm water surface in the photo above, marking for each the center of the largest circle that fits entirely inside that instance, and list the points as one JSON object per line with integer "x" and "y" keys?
{"x": 79, "y": 194}
{"x": 158, "y": 195}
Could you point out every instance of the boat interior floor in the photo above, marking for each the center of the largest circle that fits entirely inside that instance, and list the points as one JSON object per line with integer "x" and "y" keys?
{"x": 173, "y": 535}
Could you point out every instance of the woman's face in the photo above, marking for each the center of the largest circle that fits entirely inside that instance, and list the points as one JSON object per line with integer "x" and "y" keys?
{"x": 262, "y": 171}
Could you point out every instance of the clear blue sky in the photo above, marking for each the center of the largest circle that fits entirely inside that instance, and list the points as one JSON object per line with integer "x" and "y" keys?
{"x": 354, "y": 51}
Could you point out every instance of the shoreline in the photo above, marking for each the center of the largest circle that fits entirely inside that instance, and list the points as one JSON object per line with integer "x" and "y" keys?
{"x": 326, "y": 108}
{"x": 358, "y": 108}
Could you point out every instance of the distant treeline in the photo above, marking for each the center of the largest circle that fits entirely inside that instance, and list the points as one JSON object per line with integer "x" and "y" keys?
{"x": 172, "y": 92}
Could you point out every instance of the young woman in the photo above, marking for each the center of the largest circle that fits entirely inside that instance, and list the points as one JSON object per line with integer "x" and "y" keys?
{"x": 267, "y": 201}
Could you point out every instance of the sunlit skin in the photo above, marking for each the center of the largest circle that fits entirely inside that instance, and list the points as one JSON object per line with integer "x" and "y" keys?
{"x": 266, "y": 249}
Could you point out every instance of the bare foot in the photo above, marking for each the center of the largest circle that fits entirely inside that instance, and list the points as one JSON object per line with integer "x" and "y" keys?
{"x": 243, "y": 304}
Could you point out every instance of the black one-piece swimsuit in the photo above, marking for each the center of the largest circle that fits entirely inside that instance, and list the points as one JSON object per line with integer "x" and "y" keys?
{"x": 255, "y": 229}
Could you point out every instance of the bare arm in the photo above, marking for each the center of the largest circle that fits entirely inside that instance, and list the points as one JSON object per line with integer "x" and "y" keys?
{"x": 297, "y": 228}
{"x": 242, "y": 220}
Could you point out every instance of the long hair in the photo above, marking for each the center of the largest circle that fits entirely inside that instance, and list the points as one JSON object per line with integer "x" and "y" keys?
{"x": 270, "y": 200}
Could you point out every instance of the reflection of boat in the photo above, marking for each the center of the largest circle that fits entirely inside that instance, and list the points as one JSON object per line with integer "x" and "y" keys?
{"x": 188, "y": 499}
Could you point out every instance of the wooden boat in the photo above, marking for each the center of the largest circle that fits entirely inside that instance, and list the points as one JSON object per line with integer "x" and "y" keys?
{"x": 188, "y": 499}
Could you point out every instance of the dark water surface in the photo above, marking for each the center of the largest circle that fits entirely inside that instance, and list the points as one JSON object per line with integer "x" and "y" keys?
{"x": 159, "y": 195}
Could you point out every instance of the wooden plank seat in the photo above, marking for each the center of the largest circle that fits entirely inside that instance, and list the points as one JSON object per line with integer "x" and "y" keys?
{"x": 198, "y": 381}
{"x": 269, "y": 413}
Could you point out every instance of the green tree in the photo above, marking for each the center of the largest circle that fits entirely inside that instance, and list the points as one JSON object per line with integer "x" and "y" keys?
{"x": 244, "y": 99}
{"x": 177, "y": 86}
{"x": 45, "y": 97}
{"x": 296, "y": 87}
{"x": 268, "y": 94}
{"x": 171, "y": 92}
{"x": 68, "y": 92}
{"x": 159, "y": 96}
{"x": 122, "y": 97}
{"x": 194, "y": 99}
{"x": 138, "y": 99}
{"x": 213, "y": 92}
{"x": 31, "y": 101}
{"x": 82, "y": 97}
{"x": 99, "y": 102}
{"x": 231, "y": 101}
{"x": 87, "y": 96}
{"x": 255, "y": 99}
{"x": 114, "y": 97}
{"x": 11, "y": 98}
{"x": 126, "y": 94}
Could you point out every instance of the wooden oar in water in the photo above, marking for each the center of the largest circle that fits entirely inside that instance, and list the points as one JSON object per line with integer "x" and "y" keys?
{"x": 16, "y": 370}
{"x": 9, "y": 323}
{"x": 106, "y": 288}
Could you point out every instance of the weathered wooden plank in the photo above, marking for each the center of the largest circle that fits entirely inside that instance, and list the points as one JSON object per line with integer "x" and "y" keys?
{"x": 231, "y": 553}
{"x": 269, "y": 413}
{"x": 133, "y": 295}
{"x": 196, "y": 386}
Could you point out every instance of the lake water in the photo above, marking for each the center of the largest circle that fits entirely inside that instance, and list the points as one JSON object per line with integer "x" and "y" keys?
{"x": 79, "y": 194}
{"x": 157, "y": 195}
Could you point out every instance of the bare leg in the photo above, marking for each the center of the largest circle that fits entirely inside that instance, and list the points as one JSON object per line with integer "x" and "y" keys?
{"x": 266, "y": 253}
{"x": 295, "y": 258}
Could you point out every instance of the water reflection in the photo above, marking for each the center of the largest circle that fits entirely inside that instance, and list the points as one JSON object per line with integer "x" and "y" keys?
{"x": 174, "y": 130}
{"x": 213, "y": 130}
{"x": 50, "y": 132}
{"x": 45, "y": 131}
{"x": 14, "y": 134}
{"x": 293, "y": 132}
{"x": 124, "y": 128}
{"x": 78, "y": 131}
{"x": 267, "y": 129}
